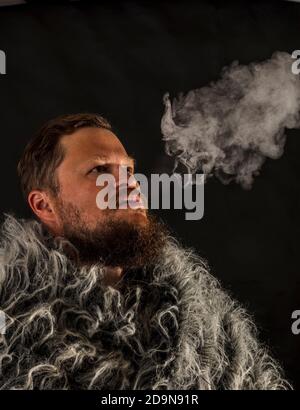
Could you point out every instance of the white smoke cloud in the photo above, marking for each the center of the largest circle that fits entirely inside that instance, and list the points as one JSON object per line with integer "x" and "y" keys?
{"x": 231, "y": 126}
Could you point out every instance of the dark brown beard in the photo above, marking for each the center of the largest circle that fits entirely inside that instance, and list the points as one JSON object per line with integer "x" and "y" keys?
{"x": 115, "y": 242}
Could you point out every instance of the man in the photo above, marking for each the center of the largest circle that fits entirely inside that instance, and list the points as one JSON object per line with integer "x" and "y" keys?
{"x": 106, "y": 298}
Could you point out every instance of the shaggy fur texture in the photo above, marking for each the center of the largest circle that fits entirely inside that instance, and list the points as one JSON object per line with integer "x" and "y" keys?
{"x": 169, "y": 326}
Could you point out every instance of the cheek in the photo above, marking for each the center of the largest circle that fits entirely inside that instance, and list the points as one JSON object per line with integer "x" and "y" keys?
{"x": 83, "y": 194}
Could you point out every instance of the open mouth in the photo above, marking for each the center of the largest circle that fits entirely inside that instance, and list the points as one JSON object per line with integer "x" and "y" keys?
{"x": 131, "y": 203}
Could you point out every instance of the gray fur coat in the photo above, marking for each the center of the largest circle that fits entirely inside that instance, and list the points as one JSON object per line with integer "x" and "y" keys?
{"x": 171, "y": 326}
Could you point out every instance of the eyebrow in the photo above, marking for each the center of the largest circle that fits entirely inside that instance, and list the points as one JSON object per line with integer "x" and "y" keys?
{"x": 107, "y": 160}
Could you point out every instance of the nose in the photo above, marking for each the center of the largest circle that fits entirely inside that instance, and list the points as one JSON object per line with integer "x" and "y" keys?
{"x": 125, "y": 182}
{"x": 123, "y": 178}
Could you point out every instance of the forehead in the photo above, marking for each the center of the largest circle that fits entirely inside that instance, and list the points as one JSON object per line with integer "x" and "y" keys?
{"x": 88, "y": 143}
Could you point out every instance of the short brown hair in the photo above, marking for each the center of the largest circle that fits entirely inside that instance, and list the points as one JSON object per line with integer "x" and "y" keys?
{"x": 44, "y": 153}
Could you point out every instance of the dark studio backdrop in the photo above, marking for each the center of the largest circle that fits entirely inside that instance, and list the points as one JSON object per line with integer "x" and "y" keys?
{"x": 118, "y": 59}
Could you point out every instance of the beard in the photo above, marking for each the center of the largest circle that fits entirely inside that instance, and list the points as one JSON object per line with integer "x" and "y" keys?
{"x": 114, "y": 242}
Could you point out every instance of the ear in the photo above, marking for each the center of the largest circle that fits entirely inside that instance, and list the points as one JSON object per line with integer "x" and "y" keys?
{"x": 42, "y": 205}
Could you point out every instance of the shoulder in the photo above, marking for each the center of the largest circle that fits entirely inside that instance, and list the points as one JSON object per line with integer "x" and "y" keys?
{"x": 219, "y": 328}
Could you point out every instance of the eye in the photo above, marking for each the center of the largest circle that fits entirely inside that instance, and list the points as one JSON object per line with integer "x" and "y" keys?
{"x": 129, "y": 170}
{"x": 98, "y": 169}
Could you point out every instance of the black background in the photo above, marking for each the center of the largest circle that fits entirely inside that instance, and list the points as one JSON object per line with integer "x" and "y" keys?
{"x": 118, "y": 59}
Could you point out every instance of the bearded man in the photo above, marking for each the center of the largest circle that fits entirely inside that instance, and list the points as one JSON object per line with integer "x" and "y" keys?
{"x": 107, "y": 298}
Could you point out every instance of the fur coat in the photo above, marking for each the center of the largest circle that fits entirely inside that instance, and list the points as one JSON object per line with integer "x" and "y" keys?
{"x": 170, "y": 327}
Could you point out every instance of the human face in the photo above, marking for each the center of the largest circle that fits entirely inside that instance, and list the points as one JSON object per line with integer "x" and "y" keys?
{"x": 88, "y": 153}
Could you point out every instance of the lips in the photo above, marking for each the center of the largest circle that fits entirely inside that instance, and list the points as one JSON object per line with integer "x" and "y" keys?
{"x": 133, "y": 203}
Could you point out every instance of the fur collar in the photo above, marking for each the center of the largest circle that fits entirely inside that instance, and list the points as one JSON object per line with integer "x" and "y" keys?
{"x": 170, "y": 327}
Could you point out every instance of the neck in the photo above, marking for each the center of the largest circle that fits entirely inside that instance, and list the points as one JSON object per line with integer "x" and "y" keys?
{"x": 112, "y": 276}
